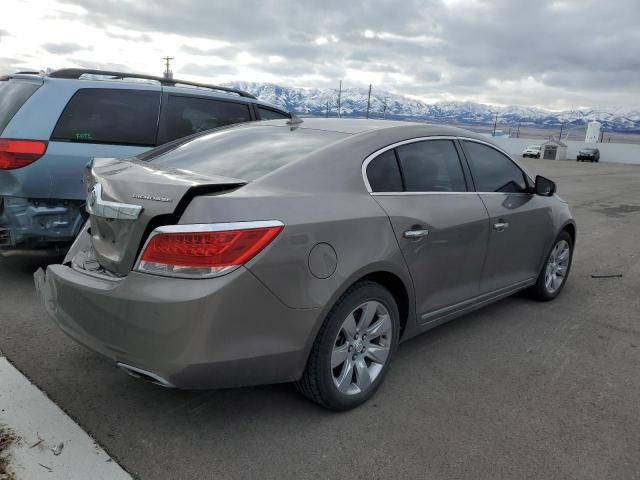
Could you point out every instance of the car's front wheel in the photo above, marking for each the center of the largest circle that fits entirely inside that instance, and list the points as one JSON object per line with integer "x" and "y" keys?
{"x": 556, "y": 269}
{"x": 353, "y": 349}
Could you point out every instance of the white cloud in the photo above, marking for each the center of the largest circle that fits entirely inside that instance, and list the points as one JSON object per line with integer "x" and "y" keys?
{"x": 498, "y": 51}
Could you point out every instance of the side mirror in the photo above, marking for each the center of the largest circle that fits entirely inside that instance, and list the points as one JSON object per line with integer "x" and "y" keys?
{"x": 544, "y": 187}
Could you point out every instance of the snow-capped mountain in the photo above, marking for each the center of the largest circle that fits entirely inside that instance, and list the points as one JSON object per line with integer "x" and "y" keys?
{"x": 312, "y": 101}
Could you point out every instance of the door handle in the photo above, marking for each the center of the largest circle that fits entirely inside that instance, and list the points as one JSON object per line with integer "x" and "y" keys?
{"x": 500, "y": 226}
{"x": 414, "y": 234}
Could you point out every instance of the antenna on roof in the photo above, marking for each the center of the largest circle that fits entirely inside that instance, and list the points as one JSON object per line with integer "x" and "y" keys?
{"x": 168, "y": 74}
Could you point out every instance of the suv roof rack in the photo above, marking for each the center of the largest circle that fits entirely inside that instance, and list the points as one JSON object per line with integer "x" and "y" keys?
{"x": 76, "y": 73}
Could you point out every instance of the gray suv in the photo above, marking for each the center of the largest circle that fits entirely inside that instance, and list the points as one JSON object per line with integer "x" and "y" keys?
{"x": 52, "y": 125}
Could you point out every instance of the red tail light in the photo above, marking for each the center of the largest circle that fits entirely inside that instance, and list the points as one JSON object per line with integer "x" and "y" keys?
{"x": 205, "y": 250}
{"x": 20, "y": 153}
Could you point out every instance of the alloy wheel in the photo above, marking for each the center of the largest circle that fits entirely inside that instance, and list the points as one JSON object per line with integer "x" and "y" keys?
{"x": 557, "y": 266}
{"x": 361, "y": 348}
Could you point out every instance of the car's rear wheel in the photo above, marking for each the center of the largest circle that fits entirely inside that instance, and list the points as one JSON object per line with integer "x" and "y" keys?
{"x": 556, "y": 269}
{"x": 353, "y": 349}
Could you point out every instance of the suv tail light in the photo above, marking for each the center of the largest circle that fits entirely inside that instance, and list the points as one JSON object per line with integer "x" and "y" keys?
{"x": 205, "y": 250}
{"x": 20, "y": 153}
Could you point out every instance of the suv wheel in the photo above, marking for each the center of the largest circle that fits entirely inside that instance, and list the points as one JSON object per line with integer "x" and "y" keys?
{"x": 353, "y": 349}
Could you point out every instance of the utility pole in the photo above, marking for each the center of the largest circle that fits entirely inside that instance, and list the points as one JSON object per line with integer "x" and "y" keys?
{"x": 339, "y": 99}
{"x": 518, "y": 131}
{"x": 369, "y": 101}
{"x": 495, "y": 124}
{"x": 168, "y": 74}
{"x": 384, "y": 108}
{"x": 327, "y": 111}
{"x": 561, "y": 127}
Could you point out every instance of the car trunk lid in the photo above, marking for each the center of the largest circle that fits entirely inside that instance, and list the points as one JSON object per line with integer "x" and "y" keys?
{"x": 127, "y": 199}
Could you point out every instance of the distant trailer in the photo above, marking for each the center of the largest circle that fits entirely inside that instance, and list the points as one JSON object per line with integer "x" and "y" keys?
{"x": 593, "y": 132}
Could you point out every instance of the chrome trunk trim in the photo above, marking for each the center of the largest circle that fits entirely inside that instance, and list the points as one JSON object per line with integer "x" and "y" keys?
{"x": 103, "y": 208}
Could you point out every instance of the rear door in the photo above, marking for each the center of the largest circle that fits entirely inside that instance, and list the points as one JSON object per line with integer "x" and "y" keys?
{"x": 519, "y": 219}
{"x": 441, "y": 227}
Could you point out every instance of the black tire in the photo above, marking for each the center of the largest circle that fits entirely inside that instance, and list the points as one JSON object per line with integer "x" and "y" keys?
{"x": 539, "y": 291}
{"x": 317, "y": 382}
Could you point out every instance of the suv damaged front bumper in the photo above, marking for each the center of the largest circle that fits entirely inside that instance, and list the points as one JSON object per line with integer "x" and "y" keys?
{"x": 206, "y": 333}
{"x": 35, "y": 223}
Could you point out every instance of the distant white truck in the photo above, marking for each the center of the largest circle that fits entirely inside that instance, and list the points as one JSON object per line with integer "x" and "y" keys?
{"x": 532, "y": 151}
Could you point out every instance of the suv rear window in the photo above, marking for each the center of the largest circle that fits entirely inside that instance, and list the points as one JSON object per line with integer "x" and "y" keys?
{"x": 245, "y": 153}
{"x": 13, "y": 94}
{"x": 114, "y": 116}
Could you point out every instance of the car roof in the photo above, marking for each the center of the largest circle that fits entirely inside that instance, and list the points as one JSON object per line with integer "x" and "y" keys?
{"x": 356, "y": 126}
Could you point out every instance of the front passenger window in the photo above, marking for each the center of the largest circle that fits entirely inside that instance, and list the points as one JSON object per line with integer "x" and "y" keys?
{"x": 493, "y": 171}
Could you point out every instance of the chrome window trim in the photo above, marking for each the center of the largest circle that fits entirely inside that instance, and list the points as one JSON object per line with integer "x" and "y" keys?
{"x": 388, "y": 194}
{"x": 379, "y": 152}
{"x": 202, "y": 227}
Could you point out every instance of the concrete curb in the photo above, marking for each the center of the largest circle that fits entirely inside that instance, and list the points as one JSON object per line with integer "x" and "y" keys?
{"x": 49, "y": 443}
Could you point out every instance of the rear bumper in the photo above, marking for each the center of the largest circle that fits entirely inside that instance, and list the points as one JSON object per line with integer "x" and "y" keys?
{"x": 220, "y": 332}
{"x": 34, "y": 223}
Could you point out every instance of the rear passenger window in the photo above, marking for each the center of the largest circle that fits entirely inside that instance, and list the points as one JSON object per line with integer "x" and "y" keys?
{"x": 188, "y": 115}
{"x": 115, "y": 116}
{"x": 268, "y": 114}
{"x": 383, "y": 173}
{"x": 431, "y": 166}
{"x": 493, "y": 171}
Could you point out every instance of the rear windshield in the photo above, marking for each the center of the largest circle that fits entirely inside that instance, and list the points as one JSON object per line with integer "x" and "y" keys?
{"x": 245, "y": 153}
{"x": 13, "y": 94}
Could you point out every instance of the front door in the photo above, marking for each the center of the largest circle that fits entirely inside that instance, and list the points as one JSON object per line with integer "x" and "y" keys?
{"x": 517, "y": 218}
{"x": 441, "y": 227}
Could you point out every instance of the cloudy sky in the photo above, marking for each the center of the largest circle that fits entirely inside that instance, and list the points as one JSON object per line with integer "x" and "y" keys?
{"x": 556, "y": 54}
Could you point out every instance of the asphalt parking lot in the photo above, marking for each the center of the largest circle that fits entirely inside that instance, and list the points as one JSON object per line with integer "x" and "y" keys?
{"x": 518, "y": 389}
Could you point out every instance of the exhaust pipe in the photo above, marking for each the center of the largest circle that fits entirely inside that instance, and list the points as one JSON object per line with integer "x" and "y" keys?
{"x": 144, "y": 375}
